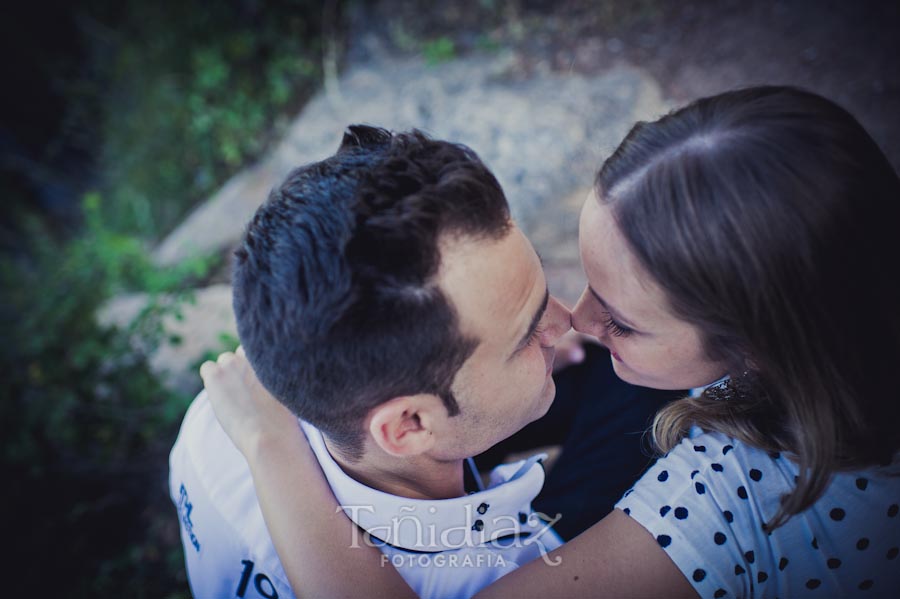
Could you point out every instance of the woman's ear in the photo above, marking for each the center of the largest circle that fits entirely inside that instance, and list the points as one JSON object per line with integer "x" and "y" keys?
{"x": 403, "y": 426}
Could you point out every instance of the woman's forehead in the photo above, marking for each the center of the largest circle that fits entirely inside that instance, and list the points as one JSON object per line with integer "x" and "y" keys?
{"x": 613, "y": 271}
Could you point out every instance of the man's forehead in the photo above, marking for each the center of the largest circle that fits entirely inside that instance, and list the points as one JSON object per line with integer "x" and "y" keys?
{"x": 492, "y": 283}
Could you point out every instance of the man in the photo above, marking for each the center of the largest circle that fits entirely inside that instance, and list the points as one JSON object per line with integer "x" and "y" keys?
{"x": 385, "y": 296}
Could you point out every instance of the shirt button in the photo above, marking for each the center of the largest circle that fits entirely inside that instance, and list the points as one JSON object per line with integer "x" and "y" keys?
{"x": 478, "y": 526}
{"x": 483, "y": 508}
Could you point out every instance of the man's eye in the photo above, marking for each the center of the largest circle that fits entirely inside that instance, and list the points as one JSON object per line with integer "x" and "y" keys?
{"x": 538, "y": 331}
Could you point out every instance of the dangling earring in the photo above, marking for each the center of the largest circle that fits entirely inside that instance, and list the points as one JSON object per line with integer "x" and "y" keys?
{"x": 733, "y": 388}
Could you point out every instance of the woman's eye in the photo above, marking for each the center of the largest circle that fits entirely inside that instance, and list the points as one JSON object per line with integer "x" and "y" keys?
{"x": 615, "y": 329}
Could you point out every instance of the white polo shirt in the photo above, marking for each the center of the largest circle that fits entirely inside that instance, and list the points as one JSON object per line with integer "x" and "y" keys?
{"x": 442, "y": 548}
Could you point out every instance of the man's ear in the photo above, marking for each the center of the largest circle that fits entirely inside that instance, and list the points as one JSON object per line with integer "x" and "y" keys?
{"x": 404, "y": 426}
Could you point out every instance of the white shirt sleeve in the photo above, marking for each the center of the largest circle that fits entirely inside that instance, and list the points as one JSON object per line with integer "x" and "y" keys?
{"x": 684, "y": 500}
{"x": 707, "y": 500}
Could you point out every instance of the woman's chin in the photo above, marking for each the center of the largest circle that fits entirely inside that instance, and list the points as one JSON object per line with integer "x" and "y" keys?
{"x": 628, "y": 375}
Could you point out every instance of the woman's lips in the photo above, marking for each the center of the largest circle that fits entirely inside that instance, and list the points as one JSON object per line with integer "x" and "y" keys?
{"x": 615, "y": 355}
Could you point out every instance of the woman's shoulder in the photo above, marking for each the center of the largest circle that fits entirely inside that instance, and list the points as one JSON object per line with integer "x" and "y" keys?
{"x": 704, "y": 453}
{"x": 706, "y": 502}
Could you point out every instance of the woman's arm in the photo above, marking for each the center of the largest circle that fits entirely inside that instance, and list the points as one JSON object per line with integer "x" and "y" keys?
{"x": 310, "y": 532}
{"x": 616, "y": 557}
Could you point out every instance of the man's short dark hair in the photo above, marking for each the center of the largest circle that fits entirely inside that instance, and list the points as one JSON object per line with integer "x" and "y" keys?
{"x": 335, "y": 290}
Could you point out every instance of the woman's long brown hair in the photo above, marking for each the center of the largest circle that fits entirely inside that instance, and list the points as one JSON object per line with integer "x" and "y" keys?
{"x": 771, "y": 220}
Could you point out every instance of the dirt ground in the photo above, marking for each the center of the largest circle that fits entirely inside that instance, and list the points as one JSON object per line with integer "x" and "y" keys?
{"x": 845, "y": 50}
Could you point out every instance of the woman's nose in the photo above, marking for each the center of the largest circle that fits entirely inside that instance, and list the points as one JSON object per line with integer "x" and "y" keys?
{"x": 582, "y": 319}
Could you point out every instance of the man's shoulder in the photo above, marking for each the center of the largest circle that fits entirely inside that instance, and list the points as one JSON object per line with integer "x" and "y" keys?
{"x": 206, "y": 465}
{"x": 223, "y": 532}
{"x": 205, "y": 444}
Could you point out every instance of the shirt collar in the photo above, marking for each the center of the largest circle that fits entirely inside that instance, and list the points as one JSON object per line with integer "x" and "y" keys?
{"x": 501, "y": 511}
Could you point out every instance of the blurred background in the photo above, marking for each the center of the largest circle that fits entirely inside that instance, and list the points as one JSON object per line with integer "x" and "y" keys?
{"x": 137, "y": 137}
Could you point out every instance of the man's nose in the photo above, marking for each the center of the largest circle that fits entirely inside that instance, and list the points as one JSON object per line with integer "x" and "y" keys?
{"x": 557, "y": 322}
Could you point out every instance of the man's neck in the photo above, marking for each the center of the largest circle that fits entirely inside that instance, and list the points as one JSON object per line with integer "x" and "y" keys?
{"x": 418, "y": 477}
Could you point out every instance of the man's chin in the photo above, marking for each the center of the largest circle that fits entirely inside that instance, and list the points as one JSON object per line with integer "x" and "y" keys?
{"x": 545, "y": 401}
{"x": 548, "y": 396}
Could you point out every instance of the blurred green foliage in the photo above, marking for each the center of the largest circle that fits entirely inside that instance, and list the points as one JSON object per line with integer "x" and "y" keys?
{"x": 439, "y": 50}
{"x": 178, "y": 96}
{"x": 88, "y": 425}
{"x": 195, "y": 93}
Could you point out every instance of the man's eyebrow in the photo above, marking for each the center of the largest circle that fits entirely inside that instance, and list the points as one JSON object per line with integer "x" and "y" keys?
{"x": 610, "y": 309}
{"x": 535, "y": 320}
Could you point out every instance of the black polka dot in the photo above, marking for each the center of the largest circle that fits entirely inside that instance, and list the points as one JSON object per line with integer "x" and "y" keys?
{"x": 720, "y": 538}
{"x": 716, "y": 466}
{"x": 694, "y": 473}
{"x": 663, "y": 476}
{"x": 664, "y": 510}
{"x": 837, "y": 514}
{"x": 728, "y": 516}
{"x": 815, "y": 543}
{"x": 782, "y": 563}
{"x": 834, "y": 563}
{"x": 750, "y": 556}
{"x": 720, "y": 593}
{"x": 627, "y": 511}
{"x": 813, "y": 583}
{"x": 699, "y": 575}
{"x": 863, "y": 543}
{"x": 726, "y": 449}
{"x": 862, "y": 483}
{"x": 742, "y": 492}
{"x": 865, "y": 585}
{"x": 664, "y": 540}
{"x": 762, "y": 577}
{"x": 698, "y": 486}
{"x": 681, "y": 513}
{"x": 755, "y": 474}
{"x": 892, "y": 552}
{"x": 699, "y": 447}
{"x": 739, "y": 569}
{"x": 892, "y": 511}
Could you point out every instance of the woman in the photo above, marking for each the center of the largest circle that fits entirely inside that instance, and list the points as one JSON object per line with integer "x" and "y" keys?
{"x": 749, "y": 234}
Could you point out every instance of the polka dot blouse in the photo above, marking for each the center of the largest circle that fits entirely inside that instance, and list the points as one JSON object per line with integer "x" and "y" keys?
{"x": 705, "y": 503}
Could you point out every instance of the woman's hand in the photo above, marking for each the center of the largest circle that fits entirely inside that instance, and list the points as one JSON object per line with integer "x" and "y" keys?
{"x": 244, "y": 408}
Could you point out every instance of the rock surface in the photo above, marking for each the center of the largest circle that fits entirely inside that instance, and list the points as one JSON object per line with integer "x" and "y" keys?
{"x": 204, "y": 323}
{"x": 543, "y": 136}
